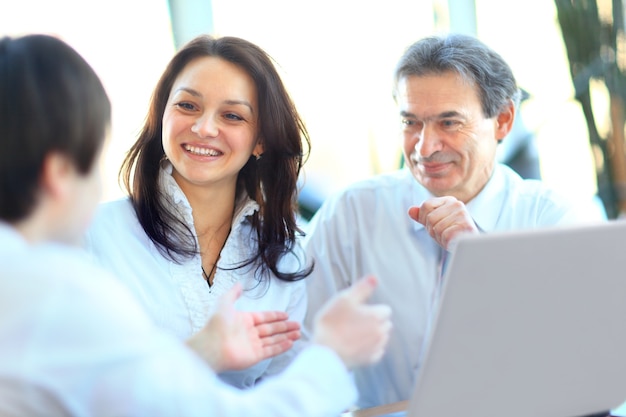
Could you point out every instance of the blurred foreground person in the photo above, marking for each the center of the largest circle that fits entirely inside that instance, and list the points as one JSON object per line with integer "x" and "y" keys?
{"x": 73, "y": 341}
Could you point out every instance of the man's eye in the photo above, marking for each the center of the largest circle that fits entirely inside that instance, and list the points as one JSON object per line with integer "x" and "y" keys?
{"x": 450, "y": 124}
{"x": 407, "y": 122}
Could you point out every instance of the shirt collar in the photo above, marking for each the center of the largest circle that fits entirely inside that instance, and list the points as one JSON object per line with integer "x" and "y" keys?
{"x": 10, "y": 238}
{"x": 485, "y": 207}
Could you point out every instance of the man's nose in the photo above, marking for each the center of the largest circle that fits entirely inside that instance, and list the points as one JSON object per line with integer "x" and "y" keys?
{"x": 429, "y": 142}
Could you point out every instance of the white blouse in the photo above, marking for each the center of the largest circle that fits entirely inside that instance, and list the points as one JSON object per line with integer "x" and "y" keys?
{"x": 175, "y": 295}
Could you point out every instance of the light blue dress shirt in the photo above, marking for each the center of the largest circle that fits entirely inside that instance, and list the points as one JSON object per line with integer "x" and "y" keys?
{"x": 366, "y": 230}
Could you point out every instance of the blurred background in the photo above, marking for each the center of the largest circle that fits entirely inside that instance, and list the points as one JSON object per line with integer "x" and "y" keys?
{"x": 337, "y": 58}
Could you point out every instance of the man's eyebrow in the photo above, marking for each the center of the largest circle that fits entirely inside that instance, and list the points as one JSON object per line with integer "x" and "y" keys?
{"x": 442, "y": 115}
{"x": 451, "y": 113}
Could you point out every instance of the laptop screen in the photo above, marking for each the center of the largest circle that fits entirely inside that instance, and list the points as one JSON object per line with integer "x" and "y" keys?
{"x": 529, "y": 323}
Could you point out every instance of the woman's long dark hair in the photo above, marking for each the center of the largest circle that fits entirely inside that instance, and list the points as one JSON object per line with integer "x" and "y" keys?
{"x": 271, "y": 181}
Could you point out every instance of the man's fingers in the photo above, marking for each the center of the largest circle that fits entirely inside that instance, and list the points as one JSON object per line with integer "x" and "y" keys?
{"x": 414, "y": 213}
{"x": 269, "y": 329}
{"x": 382, "y": 312}
{"x": 293, "y": 335}
{"x": 276, "y": 349}
{"x": 362, "y": 289}
{"x": 229, "y": 298}
{"x": 226, "y": 304}
{"x": 275, "y": 339}
{"x": 261, "y": 317}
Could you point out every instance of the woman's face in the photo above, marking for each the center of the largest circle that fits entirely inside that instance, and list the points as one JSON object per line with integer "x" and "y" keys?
{"x": 210, "y": 123}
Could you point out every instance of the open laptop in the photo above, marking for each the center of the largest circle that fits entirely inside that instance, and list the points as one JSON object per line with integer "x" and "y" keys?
{"x": 530, "y": 324}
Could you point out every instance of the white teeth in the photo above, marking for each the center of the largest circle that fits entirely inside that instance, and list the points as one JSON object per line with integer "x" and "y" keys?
{"x": 201, "y": 151}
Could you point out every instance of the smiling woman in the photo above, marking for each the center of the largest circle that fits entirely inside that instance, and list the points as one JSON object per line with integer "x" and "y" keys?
{"x": 210, "y": 130}
{"x": 212, "y": 190}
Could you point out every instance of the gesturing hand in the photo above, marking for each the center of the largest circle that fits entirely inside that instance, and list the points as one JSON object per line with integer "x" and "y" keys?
{"x": 234, "y": 340}
{"x": 358, "y": 332}
{"x": 445, "y": 219}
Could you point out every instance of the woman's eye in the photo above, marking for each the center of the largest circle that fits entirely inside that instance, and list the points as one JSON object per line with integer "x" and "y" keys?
{"x": 232, "y": 116}
{"x": 185, "y": 106}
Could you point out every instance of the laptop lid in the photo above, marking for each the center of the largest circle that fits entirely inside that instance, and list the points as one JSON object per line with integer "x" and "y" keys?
{"x": 530, "y": 323}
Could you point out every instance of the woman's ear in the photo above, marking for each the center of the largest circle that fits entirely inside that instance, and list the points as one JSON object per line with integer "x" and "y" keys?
{"x": 258, "y": 150}
{"x": 504, "y": 121}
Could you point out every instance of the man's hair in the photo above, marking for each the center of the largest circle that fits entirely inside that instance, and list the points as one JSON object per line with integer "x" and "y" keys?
{"x": 465, "y": 55}
{"x": 51, "y": 100}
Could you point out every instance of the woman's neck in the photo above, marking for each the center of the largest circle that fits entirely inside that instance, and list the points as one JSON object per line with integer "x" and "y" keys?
{"x": 213, "y": 219}
{"x": 212, "y": 205}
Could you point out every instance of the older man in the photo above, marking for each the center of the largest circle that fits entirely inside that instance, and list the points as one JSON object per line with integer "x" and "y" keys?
{"x": 457, "y": 101}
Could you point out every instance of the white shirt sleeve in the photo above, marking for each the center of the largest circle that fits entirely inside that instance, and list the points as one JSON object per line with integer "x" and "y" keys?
{"x": 73, "y": 344}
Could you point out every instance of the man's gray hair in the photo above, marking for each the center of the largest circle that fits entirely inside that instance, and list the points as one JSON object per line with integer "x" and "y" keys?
{"x": 465, "y": 55}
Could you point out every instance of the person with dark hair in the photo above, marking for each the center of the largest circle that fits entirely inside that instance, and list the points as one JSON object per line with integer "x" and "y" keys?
{"x": 73, "y": 340}
{"x": 212, "y": 183}
{"x": 457, "y": 100}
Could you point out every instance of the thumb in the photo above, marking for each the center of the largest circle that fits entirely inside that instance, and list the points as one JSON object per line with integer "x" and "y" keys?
{"x": 228, "y": 299}
{"x": 362, "y": 289}
{"x": 414, "y": 213}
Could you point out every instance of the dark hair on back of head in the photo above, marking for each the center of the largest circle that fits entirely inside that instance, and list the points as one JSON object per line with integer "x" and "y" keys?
{"x": 51, "y": 100}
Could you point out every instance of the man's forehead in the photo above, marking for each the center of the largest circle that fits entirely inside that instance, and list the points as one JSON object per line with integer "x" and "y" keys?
{"x": 435, "y": 95}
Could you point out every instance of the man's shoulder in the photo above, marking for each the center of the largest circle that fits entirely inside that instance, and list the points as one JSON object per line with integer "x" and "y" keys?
{"x": 120, "y": 206}
{"x": 528, "y": 187}
{"x": 380, "y": 195}
{"x": 546, "y": 202}
{"x": 385, "y": 183}
{"x": 50, "y": 271}
{"x": 113, "y": 216}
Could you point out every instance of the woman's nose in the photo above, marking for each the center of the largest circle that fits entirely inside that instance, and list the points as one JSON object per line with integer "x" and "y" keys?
{"x": 205, "y": 126}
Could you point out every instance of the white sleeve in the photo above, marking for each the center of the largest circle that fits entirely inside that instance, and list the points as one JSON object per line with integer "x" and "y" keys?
{"x": 77, "y": 345}
{"x": 316, "y": 384}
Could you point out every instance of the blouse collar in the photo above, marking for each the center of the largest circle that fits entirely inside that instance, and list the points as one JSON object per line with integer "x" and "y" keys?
{"x": 244, "y": 205}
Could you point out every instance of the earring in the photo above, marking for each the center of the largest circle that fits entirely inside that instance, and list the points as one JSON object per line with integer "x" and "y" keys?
{"x": 258, "y": 156}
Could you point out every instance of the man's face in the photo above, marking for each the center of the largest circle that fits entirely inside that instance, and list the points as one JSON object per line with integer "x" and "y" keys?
{"x": 449, "y": 145}
{"x": 84, "y": 191}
